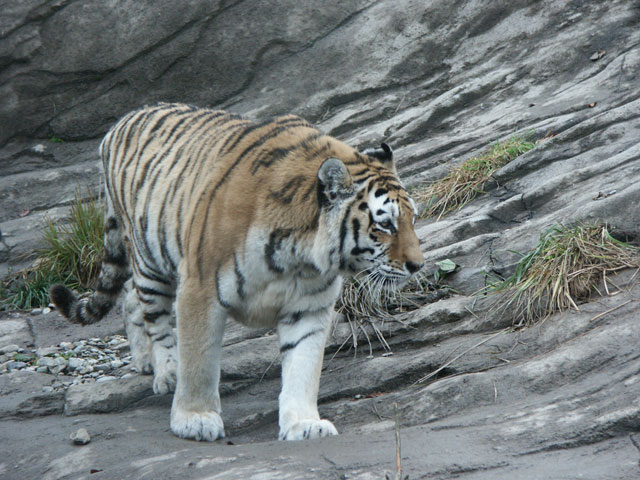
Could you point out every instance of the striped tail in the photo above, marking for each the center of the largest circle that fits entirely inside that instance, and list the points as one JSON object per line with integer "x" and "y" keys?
{"x": 113, "y": 274}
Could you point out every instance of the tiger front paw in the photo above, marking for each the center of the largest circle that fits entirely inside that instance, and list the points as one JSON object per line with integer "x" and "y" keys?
{"x": 308, "y": 429}
{"x": 206, "y": 426}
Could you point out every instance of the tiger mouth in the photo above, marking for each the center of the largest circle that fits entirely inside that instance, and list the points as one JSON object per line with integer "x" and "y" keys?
{"x": 389, "y": 281}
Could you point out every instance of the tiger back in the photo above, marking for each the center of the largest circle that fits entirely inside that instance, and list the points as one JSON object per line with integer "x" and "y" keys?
{"x": 225, "y": 217}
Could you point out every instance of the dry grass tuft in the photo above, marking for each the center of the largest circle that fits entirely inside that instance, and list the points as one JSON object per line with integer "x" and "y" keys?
{"x": 361, "y": 298}
{"x": 564, "y": 268}
{"x": 467, "y": 180}
{"x": 366, "y": 305}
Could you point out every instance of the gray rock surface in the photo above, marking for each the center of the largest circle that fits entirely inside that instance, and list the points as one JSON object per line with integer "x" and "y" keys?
{"x": 437, "y": 80}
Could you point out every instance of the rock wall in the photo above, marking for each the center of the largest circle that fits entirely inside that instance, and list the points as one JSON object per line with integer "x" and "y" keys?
{"x": 437, "y": 80}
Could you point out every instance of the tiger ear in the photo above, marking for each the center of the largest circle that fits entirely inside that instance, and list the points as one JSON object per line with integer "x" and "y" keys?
{"x": 384, "y": 154}
{"x": 334, "y": 182}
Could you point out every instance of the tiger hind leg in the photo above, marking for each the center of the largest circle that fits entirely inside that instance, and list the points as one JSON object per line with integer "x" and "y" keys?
{"x": 156, "y": 304}
{"x": 139, "y": 342}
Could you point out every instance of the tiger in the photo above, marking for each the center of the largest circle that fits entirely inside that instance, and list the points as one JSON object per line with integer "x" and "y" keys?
{"x": 213, "y": 216}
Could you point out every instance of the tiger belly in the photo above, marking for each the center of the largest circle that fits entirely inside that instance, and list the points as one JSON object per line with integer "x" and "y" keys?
{"x": 263, "y": 301}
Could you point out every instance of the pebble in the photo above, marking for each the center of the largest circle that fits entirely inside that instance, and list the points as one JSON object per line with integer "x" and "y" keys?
{"x": 87, "y": 361}
{"x": 75, "y": 363}
{"x": 80, "y": 437}
{"x": 9, "y": 348}
{"x": 16, "y": 366}
{"x": 45, "y": 351}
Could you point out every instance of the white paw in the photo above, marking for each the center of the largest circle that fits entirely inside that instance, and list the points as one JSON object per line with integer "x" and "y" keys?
{"x": 308, "y": 429}
{"x": 143, "y": 363}
{"x": 164, "y": 382}
{"x": 196, "y": 425}
{"x": 164, "y": 371}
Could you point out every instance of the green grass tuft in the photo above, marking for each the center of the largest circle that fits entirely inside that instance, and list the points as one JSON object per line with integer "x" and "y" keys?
{"x": 466, "y": 181}
{"x": 564, "y": 268}
{"x": 72, "y": 256}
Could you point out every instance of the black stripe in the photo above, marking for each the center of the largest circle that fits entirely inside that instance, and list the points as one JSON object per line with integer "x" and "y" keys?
{"x": 111, "y": 224}
{"x": 275, "y": 241}
{"x": 285, "y": 126}
{"x": 152, "y": 317}
{"x": 290, "y": 346}
{"x": 115, "y": 258}
{"x": 343, "y": 233}
{"x": 239, "y": 277}
{"x": 228, "y": 146}
{"x": 288, "y": 191}
{"x": 272, "y": 156}
{"x": 161, "y": 337}
{"x": 152, "y": 292}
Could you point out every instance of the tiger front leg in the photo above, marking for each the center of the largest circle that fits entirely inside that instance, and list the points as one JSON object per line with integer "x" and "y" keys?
{"x": 196, "y": 408}
{"x": 302, "y": 340}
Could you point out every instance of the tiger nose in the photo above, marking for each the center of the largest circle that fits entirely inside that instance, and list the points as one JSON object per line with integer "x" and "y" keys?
{"x": 413, "y": 267}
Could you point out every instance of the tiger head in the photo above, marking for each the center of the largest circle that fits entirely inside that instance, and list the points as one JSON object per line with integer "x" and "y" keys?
{"x": 377, "y": 216}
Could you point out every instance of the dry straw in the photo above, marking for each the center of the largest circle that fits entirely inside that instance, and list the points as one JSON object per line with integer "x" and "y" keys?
{"x": 565, "y": 268}
{"x": 467, "y": 180}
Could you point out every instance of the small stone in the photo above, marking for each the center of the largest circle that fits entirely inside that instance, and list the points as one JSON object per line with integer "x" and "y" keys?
{"x": 21, "y": 350}
{"x": 42, "y": 369}
{"x": 44, "y": 351}
{"x": 106, "y": 378}
{"x": 36, "y": 311}
{"x": 116, "y": 364}
{"x": 16, "y": 366}
{"x": 48, "y": 362}
{"x": 47, "y": 389}
{"x": 80, "y": 437}
{"x": 46, "y": 310}
{"x": 102, "y": 367}
{"x": 66, "y": 345}
{"x": 127, "y": 375}
{"x": 60, "y": 364}
{"x": 85, "y": 370}
{"x": 75, "y": 363}
{"x": 9, "y": 348}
